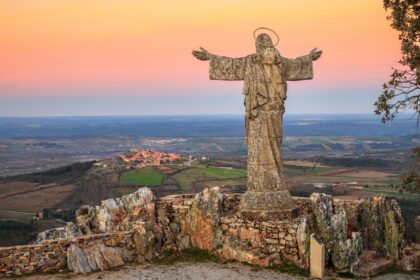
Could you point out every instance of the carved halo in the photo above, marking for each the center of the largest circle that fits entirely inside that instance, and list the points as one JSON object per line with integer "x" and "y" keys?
{"x": 261, "y": 43}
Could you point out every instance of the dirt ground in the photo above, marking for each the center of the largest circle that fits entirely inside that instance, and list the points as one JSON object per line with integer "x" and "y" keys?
{"x": 201, "y": 271}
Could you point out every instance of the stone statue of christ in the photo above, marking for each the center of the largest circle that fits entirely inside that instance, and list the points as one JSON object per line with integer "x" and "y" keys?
{"x": 265, "y": 75}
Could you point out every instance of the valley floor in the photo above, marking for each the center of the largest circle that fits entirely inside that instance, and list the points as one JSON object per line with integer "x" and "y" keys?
{"x": 193, "y": 271}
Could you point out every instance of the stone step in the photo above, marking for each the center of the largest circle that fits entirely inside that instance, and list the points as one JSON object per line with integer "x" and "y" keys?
{"x": 367, "y": 256}
{"x": 374, "y": 267}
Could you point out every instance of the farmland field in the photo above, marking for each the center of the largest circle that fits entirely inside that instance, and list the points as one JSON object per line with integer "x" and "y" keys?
{"x": 143, "y": 177}
{"x": 222, "y": 173}
{"x": 186, "y": 178}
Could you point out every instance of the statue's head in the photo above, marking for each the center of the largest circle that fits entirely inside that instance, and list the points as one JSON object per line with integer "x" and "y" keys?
{"x": 263, "y": 41}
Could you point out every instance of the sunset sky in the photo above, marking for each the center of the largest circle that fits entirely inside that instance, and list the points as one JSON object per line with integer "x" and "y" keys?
{"x": 127, "y": 57}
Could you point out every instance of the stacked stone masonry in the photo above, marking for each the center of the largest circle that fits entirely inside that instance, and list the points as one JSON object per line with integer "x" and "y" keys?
{"x": 51, "y": 255}
{"x": 138, "y": 227}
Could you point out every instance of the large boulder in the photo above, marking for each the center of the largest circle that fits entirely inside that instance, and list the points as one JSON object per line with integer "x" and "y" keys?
{"x": 332, "y": 230}
{"x": 382, "y": 226}
{"x": 203, "y": 220}
{"x": 98, "y": 257}
{"x": 77, "y": 261}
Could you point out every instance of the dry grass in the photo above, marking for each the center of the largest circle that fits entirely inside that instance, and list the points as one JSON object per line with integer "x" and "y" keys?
{"x": 303, "y": 163}
{"x": 371, "y": 174}
{"x": 37, "y": 200}
{"x": 13, "y": 187}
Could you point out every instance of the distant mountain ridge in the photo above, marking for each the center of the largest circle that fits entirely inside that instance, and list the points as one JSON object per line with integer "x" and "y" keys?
{"x": 360, "y": 125}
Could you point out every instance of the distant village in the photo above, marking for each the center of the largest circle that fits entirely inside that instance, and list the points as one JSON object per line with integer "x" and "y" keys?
{"x": 143, "y": 158}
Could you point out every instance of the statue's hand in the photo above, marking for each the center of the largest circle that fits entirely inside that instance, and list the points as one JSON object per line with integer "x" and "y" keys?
{"x": 203, "y": 54}
{"x": 314, "y": 54}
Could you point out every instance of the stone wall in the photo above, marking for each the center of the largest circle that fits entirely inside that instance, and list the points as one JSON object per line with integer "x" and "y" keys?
{"x": 139, "y": 227}
{"x": 51, "y": 255}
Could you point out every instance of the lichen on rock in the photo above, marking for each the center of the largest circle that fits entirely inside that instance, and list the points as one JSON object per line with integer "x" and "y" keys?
{"x": 116, "y": 214}
{"x": 382, "y": 226}
{"x": 332, "y": 228}
{"x": 203, "y": 219}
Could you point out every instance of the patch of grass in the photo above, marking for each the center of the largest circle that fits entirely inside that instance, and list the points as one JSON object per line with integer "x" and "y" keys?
{"x": 187, "y": 177}
{"x": 290, "y": 170}
{"x": 144, "y": 177}
{"x": 195, "y": 255}
{"x": 176, "y": 166}
{"x": 291, "y": 269}
{"x": 222, "y": 173}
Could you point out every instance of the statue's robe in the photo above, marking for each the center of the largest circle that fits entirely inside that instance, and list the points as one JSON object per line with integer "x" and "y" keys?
{"x": 265, "y": 93}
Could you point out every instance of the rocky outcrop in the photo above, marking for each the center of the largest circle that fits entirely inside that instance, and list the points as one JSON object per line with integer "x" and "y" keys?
{"x": 410, "y": 260}
{"x": 137, "y": 227}
{"x": 53, "y": 233}
{"x": 116, "y": 214}
{"x": 382, "y": 226}
{"x": 303, "y": 237}
{"x": 76, "y": 253}
{"x": 98, "y": 257}
{"x": 77, "y": 261}
{"x": 70, "y": 230}
{"x": 203, "y": 220}
{"x": 346, "y": 228}
{"x": 332, "y": 229}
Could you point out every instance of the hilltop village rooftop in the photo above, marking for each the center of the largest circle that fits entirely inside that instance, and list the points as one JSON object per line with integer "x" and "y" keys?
{"x": 145, "y": 158}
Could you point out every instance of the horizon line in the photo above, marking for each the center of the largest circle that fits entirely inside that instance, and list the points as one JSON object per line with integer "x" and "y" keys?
{"x": 183, "y": 115}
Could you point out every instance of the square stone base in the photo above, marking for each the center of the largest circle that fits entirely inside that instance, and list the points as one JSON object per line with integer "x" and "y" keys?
{"x": 269, "y": 215}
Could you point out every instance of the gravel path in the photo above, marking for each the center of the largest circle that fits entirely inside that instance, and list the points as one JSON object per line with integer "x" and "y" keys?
{"x": 201, "y": 271}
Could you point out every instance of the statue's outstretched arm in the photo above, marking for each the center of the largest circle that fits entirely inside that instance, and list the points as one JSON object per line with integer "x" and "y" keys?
{"x": 301, "y": 68}
{"x": 221, "y": 67}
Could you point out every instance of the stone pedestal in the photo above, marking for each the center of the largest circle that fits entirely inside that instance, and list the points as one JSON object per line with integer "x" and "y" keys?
{"x": 268, "y": 205}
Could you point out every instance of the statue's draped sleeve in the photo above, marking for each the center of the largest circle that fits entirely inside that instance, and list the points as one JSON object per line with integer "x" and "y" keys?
{"x": 298, "y": 69}
{"x": 227, "y": 68}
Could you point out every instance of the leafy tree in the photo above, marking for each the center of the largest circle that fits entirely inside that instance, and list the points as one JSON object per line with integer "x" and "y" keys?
{"x": 402, "y": 91}
{"x": 411, "y": 181}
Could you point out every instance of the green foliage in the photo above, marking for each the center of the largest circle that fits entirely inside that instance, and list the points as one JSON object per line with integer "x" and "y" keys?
{"x": 411, "y": 181}
{"x": 144, "y": 177}
{"x": 65, "y": 215}
{"x": 16, "y": 232}
{"x": 401, "y": 92}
